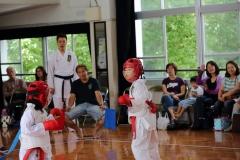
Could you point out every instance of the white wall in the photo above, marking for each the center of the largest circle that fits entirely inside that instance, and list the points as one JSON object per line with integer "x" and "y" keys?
{"x": 68, "y": 11}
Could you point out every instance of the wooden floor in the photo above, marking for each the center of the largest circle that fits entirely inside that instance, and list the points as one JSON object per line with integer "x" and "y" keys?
{"x": 178, "y": 145}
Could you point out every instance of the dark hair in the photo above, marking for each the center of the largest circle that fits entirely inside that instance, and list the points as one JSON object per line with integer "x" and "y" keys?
{"x": 61, "y": 35}
{"x": 173, "y": 65}
{"x": 38, "y": 104}
{"x": 193, "y": 79}
{"x": 216, "y": 68}
{"x": 81, "y": 66}
{"x": 44, "y": 73}
{"x": 235, "y": 65}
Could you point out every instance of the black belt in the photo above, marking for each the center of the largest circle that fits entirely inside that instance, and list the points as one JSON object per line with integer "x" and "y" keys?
{"x": 64, "y": 78}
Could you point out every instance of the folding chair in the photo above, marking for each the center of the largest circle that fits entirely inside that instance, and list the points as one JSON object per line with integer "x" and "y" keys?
{"x": 104, "y": 93}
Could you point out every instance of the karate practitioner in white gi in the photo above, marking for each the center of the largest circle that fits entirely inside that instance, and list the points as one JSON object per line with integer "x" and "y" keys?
{"x": 61, "y": 73}
{"x": 61, "y": 68}
{"x": 35, "y": 124}
{"x": 141, "y": 113}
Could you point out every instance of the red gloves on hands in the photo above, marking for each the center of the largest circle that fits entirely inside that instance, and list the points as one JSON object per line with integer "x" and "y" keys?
{"x": 50, "y": 125}
{"x": 124, "y": 100}
{"x": 56, "y": 111}
{"x": 153, "y": 106}
{"x": 60, "y": 120}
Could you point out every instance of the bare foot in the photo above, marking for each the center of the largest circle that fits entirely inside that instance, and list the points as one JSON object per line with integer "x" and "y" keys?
{"x": 178, "y": 115}
{"x": 79, "y": 133}
{"x": 97, "y": 134}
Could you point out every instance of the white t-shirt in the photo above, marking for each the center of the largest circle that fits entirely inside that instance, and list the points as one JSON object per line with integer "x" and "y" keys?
{"x": 198, "y": 91}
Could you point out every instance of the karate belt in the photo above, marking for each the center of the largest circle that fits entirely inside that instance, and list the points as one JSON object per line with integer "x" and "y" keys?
{"x": 64, "y": 78}
{"x": 133, "y": 118}
{"x": 41, "y": 156}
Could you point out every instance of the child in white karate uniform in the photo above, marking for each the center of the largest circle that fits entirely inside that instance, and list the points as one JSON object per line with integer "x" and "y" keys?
{"x": 141, "y": 115}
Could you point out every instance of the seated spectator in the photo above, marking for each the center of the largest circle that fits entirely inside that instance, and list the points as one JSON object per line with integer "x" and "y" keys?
{"x": 196, "y": 91}
{"x": 40, "y": 74}
{"x": 211, "y": 84}
{"x": 173, "y": 89}
{"x": 86, "y": 92}
{"x": 228, "y": 90}
{"x": 12, "y": 84}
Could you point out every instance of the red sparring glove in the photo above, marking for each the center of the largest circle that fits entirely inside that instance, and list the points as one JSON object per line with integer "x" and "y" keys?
{"x": 56, "y": 111}
{"x": 60, "y": 120}
{"x": 124, "y": 100}
{"x": 50, "y": 125}
{"x": 152, "y": 105}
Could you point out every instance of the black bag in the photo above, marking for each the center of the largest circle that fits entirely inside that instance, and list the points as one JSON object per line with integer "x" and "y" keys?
{"x": 15, "y": 109}
{"x": 172, "y": 125}
{"x": 235, "y": 122}
{"x": 208, "y": 122}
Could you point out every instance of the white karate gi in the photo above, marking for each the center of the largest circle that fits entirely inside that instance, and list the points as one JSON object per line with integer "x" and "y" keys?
{"x": 145, "y": 146}
{"x": 31, "y": 125}
{"x": 63, "y": 66}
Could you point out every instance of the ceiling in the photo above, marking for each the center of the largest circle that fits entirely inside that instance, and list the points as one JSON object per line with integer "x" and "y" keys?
{"x": 14, "y": 6}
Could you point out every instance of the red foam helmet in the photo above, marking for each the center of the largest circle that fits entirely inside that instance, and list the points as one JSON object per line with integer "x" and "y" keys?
{"x": 38, "y": 90}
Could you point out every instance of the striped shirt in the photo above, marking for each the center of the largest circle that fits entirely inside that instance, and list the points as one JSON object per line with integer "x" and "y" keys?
{"x": 11, "y": 85}
{"x": 229, "y": 84}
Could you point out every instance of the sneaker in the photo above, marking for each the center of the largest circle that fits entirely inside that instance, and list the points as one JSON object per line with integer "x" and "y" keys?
{"x": 3, "y": 150}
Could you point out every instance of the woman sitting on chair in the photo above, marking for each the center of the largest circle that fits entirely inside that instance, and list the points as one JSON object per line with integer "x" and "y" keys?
{"x": 228, "y": 90}
{"x": 211, "y": 84}
{"x": 173, "y": 89}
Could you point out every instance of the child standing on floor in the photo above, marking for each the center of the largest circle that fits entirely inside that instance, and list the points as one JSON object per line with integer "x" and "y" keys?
{"x": 195, "y": 92}
{"x": 141, "y": 113}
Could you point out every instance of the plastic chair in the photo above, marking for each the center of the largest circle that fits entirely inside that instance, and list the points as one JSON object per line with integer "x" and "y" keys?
{"x": 104, "y": 93}
{"x": 156, "y": 97}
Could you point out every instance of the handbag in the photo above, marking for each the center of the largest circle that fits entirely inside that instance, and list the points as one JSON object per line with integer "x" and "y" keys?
{"x": 162, "y": 122}
{"x": 110, "y": 119}
{"x": 225, "y": 122}
{"x": 217, "y": 124}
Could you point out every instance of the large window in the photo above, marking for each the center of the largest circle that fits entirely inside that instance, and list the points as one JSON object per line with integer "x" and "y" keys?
{"x": 207, "y": 2}
{"x": 148, "y": 5}
{"x": 222, "y": 33}
{"x": 150, "y": 46}
{"x": 181, "y": 43}
{"x": 28, "y": 53}
{"x": 187, "y": 33}
{"x": 31, "y": 53}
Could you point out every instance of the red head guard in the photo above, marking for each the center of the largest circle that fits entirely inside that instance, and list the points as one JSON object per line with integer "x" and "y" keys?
{"x": 137, "y": 65}
{"x": 38, "y": 90}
